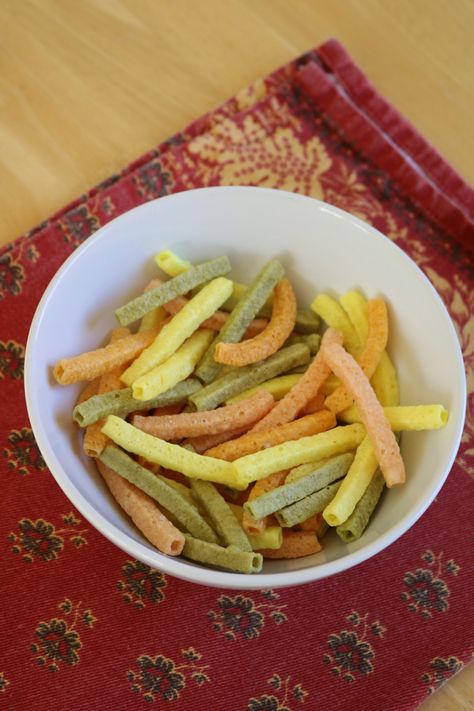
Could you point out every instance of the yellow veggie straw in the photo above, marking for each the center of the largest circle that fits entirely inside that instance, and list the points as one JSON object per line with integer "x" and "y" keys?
{"x": 183, "y": 325}
{"x": 177, "y": 368}
{"x": 256, "y": 466}
{"x": 334, "y": 315}
{"x": 172, "y": 456}
{"x": 353, "y": 485}
{"x": 407, "y": 417}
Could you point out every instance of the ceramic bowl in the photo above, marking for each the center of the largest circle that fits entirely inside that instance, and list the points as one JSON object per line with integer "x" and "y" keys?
{"x": 322, "y": 249}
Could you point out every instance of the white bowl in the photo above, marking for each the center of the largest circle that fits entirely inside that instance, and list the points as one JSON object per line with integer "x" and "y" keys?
{"x": 323, "y": 249}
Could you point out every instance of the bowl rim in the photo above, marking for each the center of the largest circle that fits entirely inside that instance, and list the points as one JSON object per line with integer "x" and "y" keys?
{"x": 178, "y": 567}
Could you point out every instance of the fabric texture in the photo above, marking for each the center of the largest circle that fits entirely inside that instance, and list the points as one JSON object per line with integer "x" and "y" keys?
{"x": 83, "y": 626}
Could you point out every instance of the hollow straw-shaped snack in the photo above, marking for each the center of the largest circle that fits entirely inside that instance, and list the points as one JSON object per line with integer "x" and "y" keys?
{"x": 416, "y": 417}
{"x": 315, "y": 523}
{"x": 304, "y": 390}
{"x": 301, "y": 471}
{"x": 312, "y": 340}
{"x": 278, "y": 387}
{"x": 154, "y": 317}
{"x": 306, "y": 321}
{"x": 94, "y": 439}
{"x": 144, "y": 512}
{"x": 354, "y": 484}
{"x": 353, "y": 528}
{"x": 355, "y": 306}
{"x": 205, "y": 442}
{"x": 218, "y": 318}
{"x": 270, "y": 537}
{"x": 195, "y": 424}
{"x": 256, "y": 441}
{"x": 230, "y": 384}
{"x": 407, "y": 417}
{"x": 230, "y": 558}
{"x": 313, "y": 503}
{"x": 220, "y": 514}
{"x": 180, "y": 284}
{"x": 179, "y": 486}
{"x": 314, "y": 405}
{"x": 384, "y": 380}
{"x": 183, "y": 325}
{"x": 378, "y": 428}
{"x": 300, "y": 369}
{"x": 171, "y": 263}
{"x": 241, "y": 316}
{"x": 89, "y": 390}
{"x": 334, "y": 315}
{"x": 171, "y": 456}
{"x": 296, "y": 544}
{"x": 87, "y": 366}
{"x": 156, "y": 487}
{"x": 280, "y": 497}
{"x": 290, "y": 454}
{"x": 272, "y": 337}
{"x": 175, "y": 369}
{"x": 122, "y": 402}
{"x": 370, "y": 355}
{"x": 238, "y": 293}
{"x": 250, "y": 524}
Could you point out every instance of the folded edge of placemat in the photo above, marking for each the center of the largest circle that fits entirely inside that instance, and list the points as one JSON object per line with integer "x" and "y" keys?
{"x": 321, "y": 79}
{"x": 396, "y": 127}
{"x": 342, "y": 90}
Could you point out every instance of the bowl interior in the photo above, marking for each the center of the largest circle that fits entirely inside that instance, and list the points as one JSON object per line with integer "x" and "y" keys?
{"x": 323, "y": 249}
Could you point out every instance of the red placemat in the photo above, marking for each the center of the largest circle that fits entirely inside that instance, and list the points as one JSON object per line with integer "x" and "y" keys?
{"x": 85, "y": 627}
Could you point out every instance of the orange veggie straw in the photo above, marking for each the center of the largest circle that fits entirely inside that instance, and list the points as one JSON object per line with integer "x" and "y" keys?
{"x": 371, "y": 412}
{"x": 152, "y": 466}
{"x": 94, "y": 439}
{"x": 369, "y": 358}
{"x": 315, "y": 523}
{"x": 255, "y": 441}
{"x": 296, "y": 544}
{"x": 195, "y": 424}
{"x": 303, "y": 391}
{"x": 205, "y": 442}
{"x": 218, "y": 318}
{"x": 249, "y": 524}
{"x": 92, "y": 388}
{"x": 314, "y": 405}
{"x": 89, "y": 365}
{"x": 168, "y": 410}
{"x": 272, "y": 337}
{"x": 144, "y": 513}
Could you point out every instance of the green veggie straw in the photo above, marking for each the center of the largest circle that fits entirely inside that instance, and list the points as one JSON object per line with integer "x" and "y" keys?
{"x": 282, "y": 496}
{"x": 121, "y": 402}
{"x": 303, "y": 509}
{"x": 177, "y": 286}
{"x": 241, "y": 316}
{"x": 306, "y": 320}
{"x": 312, "y": 340}
{"x": 353, "y": 528}
{"x": 185, "y": 513}
{"x": 240, "y": 379}
{"x": 231, "y": 557}
{"x": 221, "y": 515}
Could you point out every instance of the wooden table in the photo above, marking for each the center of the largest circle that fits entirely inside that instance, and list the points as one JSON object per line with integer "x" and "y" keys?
{"x": 86, "y": 86}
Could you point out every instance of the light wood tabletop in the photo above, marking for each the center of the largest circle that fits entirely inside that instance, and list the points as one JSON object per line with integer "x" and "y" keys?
{"x": 86, "y": 86}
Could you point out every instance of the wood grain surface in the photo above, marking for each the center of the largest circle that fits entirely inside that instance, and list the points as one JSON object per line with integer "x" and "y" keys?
{"x": 86, "y": 86}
